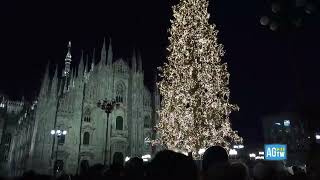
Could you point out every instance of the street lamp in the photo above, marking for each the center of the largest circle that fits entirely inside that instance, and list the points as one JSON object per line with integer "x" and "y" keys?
{"x": 58, "y": 134}
{"x": 107, "y": 106}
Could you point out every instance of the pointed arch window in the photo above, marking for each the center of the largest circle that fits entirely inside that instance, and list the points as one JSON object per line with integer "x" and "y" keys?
{"x": 147, "y": 122}
{"x": 120, "y": 92}
{"x": 86, "y": 138}
{"x": 119, "y": 123}
{"x": 87, "y": 115}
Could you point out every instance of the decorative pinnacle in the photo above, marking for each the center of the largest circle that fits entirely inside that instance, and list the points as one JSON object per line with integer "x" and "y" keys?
{"x": 67, "y": 61}
{"x": 68, "y": 57}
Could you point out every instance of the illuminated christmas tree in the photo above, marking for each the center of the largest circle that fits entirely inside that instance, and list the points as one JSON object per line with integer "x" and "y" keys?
{"x": 195, "y": 104}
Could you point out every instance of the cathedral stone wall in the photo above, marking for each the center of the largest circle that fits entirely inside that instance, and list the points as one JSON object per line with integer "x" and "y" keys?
{"x": 69, "y": 103}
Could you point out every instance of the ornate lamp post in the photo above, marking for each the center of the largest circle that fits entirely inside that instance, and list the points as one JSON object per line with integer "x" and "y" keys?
{"x": 107, "y": 106}
{"x": 57, "y": 133}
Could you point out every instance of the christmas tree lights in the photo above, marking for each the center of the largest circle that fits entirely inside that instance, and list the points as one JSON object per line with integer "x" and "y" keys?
{"x": 194, "y": 82}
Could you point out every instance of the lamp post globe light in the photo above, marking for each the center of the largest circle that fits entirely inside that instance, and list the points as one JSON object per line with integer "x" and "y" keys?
{"x": 107, "y": 106}
{"x": 57, "y": 134}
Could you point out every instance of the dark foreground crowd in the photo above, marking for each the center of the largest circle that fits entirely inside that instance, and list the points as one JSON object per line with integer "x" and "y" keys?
{"x": 171, "y": 165}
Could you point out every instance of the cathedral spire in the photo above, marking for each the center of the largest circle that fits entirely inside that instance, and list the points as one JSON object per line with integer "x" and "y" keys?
{"x": 134, "y": 61}
{"x": 72, "y": 71}
{"x": 93, "y": 59}
{"x": 103, "y": 53}
{"x": 67, "y": 61}
{"x": 139, "y": 62}
{"x": 45, "y": 80}
{"x": 71, "y": 78}
{"x": 86, "y": 66}
{"x": 56, "y": 72}
{"x": 110, "y": 53}
{"x": 54, "y": 84}
{"x": 46, "y": 74}
{"x": 81, "y": 65}
{"x": 74, "y": 76}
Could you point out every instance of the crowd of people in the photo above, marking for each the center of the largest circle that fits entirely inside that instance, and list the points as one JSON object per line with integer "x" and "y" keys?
{"x": 172, "y": 165}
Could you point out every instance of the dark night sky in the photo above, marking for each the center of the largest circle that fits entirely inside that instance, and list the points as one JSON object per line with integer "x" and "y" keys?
{"x": 262, "y": 80}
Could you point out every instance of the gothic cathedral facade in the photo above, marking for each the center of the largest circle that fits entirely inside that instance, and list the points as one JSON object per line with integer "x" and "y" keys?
{"x": 69, "y": 103}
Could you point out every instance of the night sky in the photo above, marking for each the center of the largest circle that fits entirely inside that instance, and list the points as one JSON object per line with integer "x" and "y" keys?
{"x": 263, "y": 77}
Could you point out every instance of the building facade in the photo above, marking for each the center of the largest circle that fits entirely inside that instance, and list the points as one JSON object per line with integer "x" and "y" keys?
{"x": 69, "y": 103}
{"x": 10, "y": 113}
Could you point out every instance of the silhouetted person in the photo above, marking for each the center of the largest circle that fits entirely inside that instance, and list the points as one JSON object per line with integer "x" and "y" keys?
{"x": 298, "y": 173}
{"x": 215, "y": 163}
{"x": 29, "y": 175}
{"x": 313, "y": 162}
{"x": 239, "y": 171}
{"x": 94, "y": 172}
{"x": 116, "y": 171}
{"x": 171, "y": 165}
{"x": 264, "y": 172}
{"x": 213, "y": 156}
{"x": 134, "y": 168}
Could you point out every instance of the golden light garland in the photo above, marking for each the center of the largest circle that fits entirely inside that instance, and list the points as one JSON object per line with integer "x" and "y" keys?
{"x": 195, "y": 104}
